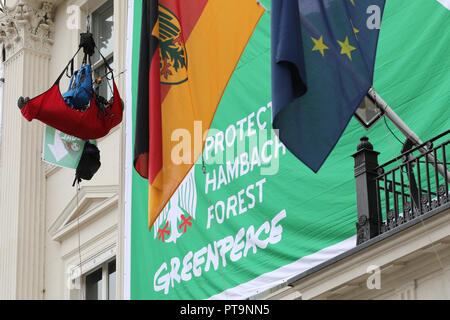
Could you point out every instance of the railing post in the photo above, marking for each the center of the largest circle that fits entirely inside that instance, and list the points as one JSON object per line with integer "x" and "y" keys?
{"x": 415, "y": 193}
{"x": 366, "y": 164}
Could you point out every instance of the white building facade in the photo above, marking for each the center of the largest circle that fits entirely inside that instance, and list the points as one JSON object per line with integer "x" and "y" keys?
{"x": 48, "y": 229}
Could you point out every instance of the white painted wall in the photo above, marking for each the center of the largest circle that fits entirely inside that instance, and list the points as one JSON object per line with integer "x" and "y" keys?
{"x": 2, "y": 75}
{"x": 63, "y": 240}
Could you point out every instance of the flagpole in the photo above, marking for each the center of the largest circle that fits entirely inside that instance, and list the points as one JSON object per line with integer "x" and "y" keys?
{"x": 407, "y": 132}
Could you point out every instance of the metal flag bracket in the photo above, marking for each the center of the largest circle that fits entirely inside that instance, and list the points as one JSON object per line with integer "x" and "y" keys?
{"x": 405, "y": 130}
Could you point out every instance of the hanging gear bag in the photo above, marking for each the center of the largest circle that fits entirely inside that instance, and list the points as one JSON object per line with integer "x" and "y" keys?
{"x": 80, "y": 88}
{"x": 89, "y": 163}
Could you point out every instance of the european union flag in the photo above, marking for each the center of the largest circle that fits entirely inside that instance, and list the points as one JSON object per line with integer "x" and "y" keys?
{"x": 323, "y": 57}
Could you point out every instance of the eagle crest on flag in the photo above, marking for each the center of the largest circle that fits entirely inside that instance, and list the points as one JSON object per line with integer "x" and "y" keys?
{"x": 173, "y": 58}
{"x": 178, "y": 215}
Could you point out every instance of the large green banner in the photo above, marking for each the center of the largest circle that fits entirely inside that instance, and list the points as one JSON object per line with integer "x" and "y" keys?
{"x": 249, "y": 215}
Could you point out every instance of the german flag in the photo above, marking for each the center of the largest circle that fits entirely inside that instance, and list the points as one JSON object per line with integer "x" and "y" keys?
{"x": 189, "y": 50}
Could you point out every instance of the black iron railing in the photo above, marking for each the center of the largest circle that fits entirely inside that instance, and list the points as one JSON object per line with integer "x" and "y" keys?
{"x": 416, "y": 186}
{"x": 403, "y": 189}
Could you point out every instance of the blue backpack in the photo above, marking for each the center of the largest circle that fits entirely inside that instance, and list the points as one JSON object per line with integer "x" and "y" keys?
{"x": 80, "y": 88}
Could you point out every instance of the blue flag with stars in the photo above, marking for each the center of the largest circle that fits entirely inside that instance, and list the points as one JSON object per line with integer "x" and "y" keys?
{"x": 323, "y": 57}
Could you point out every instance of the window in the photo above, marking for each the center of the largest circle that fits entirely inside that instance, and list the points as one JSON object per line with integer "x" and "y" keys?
{"x": 100, "y": 284}
{"x": 94, "y": 285}
{"x": 112, "y": 280}
{"x": 102, "y": 29}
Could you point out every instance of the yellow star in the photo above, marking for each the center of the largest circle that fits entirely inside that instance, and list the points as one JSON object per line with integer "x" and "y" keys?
{"x": 353, "y": 2}
{"x": 346, "y": 48}
{"x": 355, "y": 31}
{"x": 319, "y": 45}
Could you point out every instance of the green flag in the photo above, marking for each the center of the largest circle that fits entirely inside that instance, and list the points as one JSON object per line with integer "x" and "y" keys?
{"x": 61, "y": 149}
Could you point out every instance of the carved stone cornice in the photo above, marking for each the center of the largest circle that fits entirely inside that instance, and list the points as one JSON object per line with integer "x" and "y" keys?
{"x": 29, "y": 24}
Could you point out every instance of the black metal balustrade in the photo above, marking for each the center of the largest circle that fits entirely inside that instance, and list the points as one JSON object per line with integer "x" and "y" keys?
{"x": 401, "y": 190}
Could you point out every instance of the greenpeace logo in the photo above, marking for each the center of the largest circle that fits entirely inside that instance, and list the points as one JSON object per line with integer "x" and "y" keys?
{"x": 218, "y": 254}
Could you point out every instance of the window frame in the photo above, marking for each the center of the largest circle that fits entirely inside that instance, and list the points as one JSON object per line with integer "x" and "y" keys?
{"x": 105, "y": 280}
{"x": 100, "y": 63}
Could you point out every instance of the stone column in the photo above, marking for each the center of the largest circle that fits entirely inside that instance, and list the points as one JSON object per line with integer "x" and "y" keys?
{"x": 26, "y": 32}
{"x": 120, "y": 63}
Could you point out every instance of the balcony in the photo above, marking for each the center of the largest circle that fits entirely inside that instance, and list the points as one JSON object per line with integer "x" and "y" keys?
{"x": 402, "y": 192}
